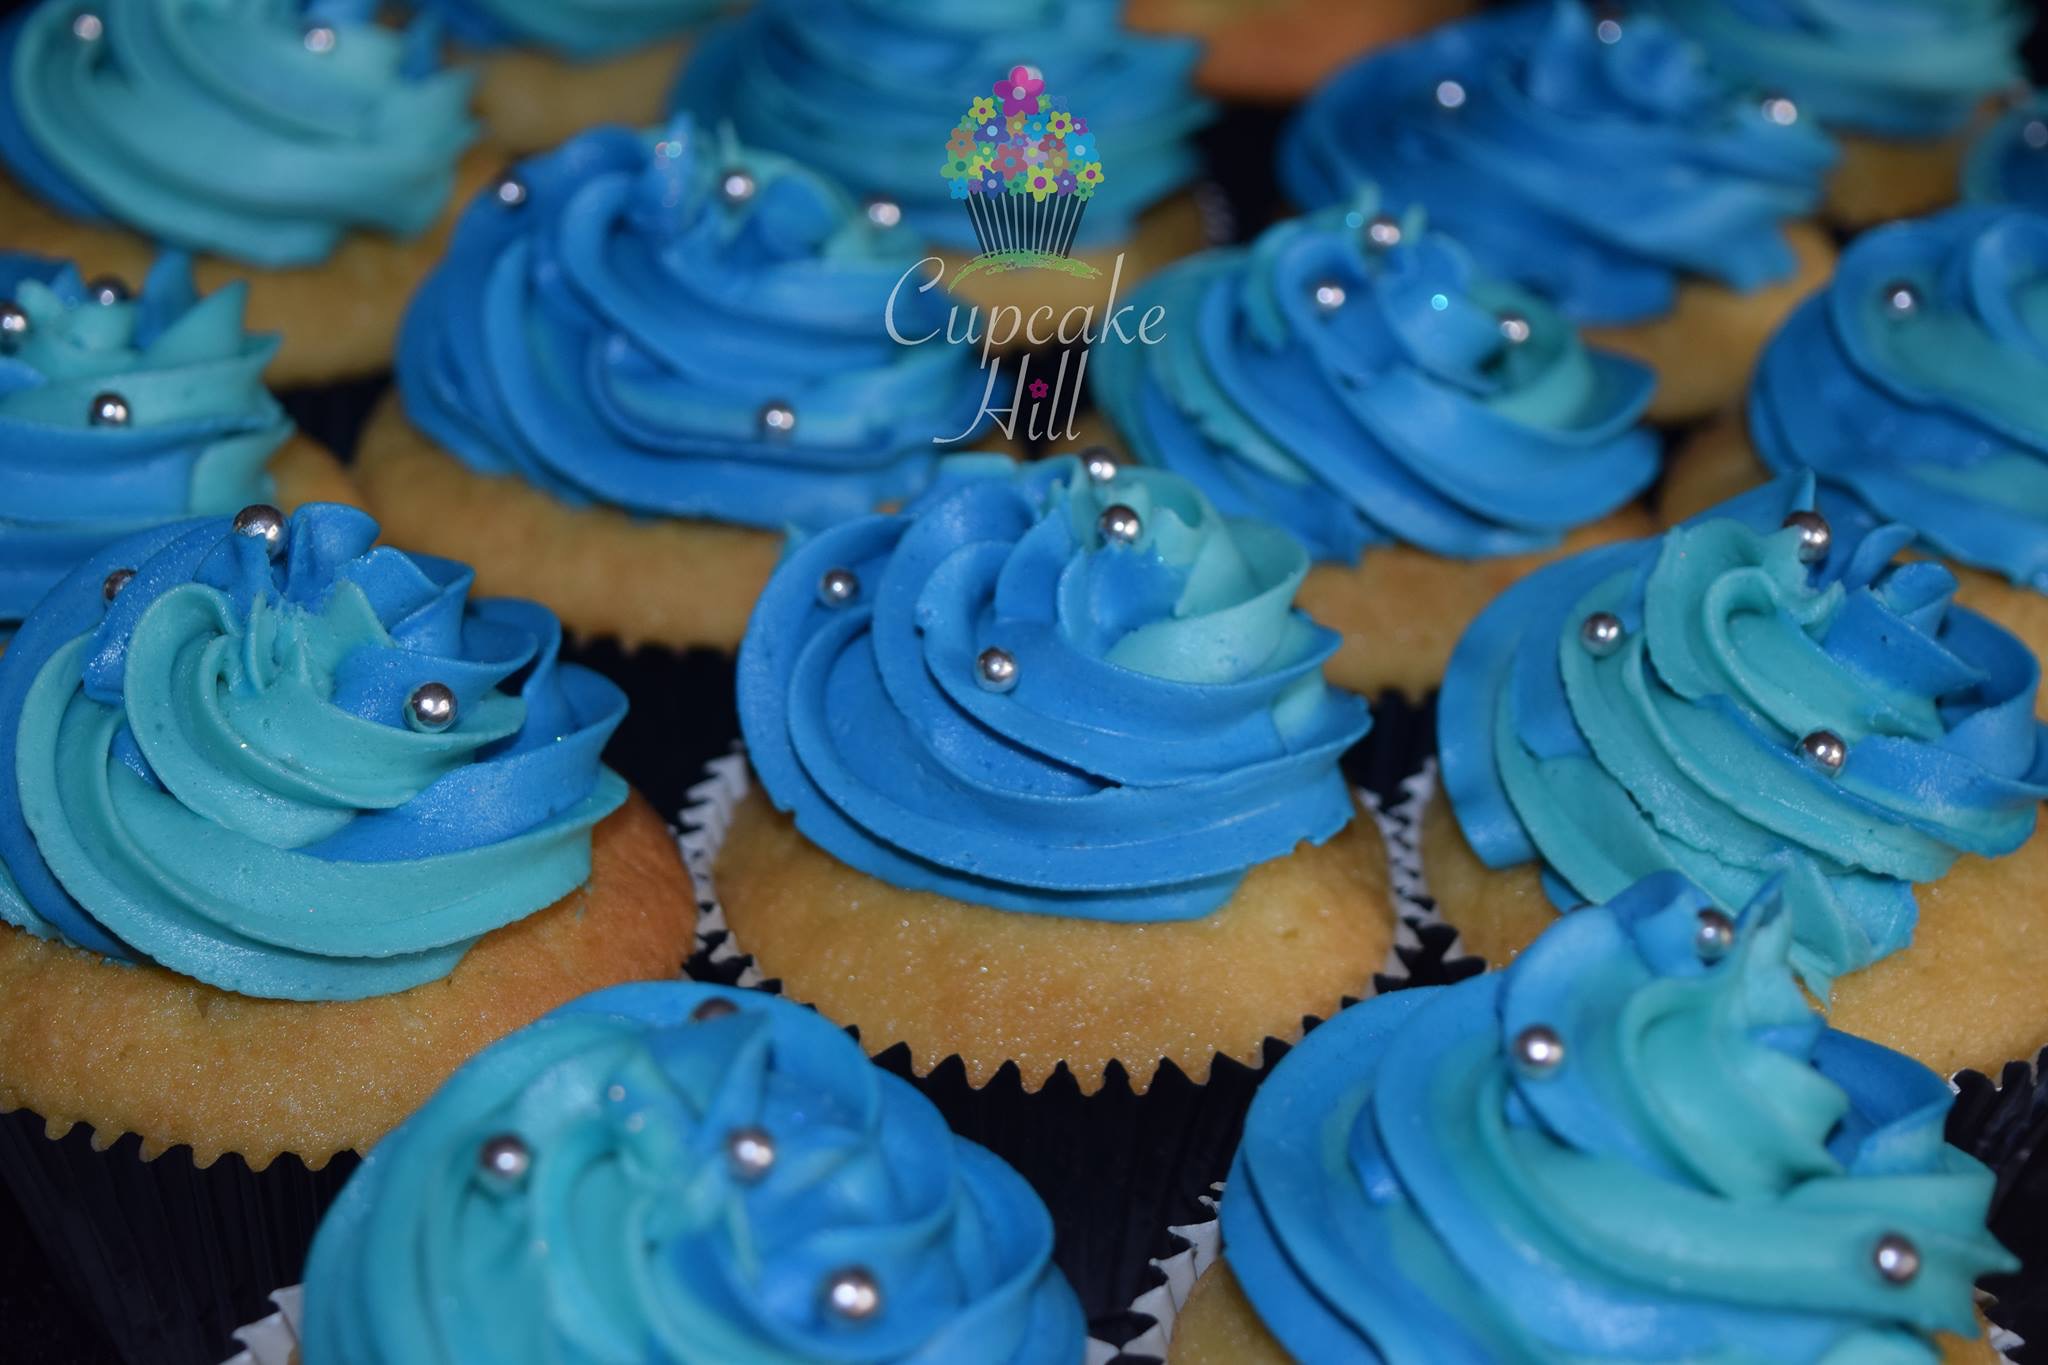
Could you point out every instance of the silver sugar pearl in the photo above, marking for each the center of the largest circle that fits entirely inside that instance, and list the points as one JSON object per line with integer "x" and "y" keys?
{"x": 14, "y": 324}
{"x": 853, "y": 1294}
{"x": 750, "y": 1152}
{"x": 884, "y": 213}
{"x": 1896, "y": 1258}
{"x": 87, "y": 28}
{"x": 837, "y": 587}
{"x": 1715, "y": 935}
{"x": 1514, "y": 328}
{"x": 108, "y": 409}
{"x": 737, "y": 186}
{"x": 778, "y": 419}
{"x": 111, "y": 585}
{"x": 1539, "y": 1052}
{"x": 510, "y": 190}
{"x": 717, "y": 1007}
{"x": 261, "y": 521}
{"x": 504, "y": 1160}
{"x": 1101, "y": 464}
{"x": 995, "y": 668}
{"x": 1450, "y": 95}
{"x": 1901, "y": 299}
{"x": 108, "y": 289}
{"x": 1816, "y": 537}
{"x": 1329, "y": 296}
{"x": 1601, "y": 633}
{"x": 1826, "y": 751}
{"x": 430, "y": 708}
{"x": 1119, "y": 525}
{"x": 1608, "y": 31}
{"x": 1780, "y": 110}
{"x": 1384, "y": 231}
{"x": 319, "y": 38}
{"x": 2034, "y": 132}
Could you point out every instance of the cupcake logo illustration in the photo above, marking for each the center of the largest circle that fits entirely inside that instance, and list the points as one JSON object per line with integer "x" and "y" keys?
{"x": 1025, "y": 167}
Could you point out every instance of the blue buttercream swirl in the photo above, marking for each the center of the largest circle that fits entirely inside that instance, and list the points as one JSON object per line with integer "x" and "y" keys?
{"x": 1911, "y": 68}
{"x": 200, "y": 423}
{"x": 1598, "y": 174}
{"x": 1395, "y": 409}
{"x": 1682, "y": 748}
{"x": 211, "y": 768}
{"x": 619, "y": 334}
{"x": 632, "y": 1234}
{"x": 2008, "y": 164}
{"x": 1705, "y": 1176}
{"x": 222, "y": 127}
{"x": 1167, "y": 727}
{"x": 1936, "y": 413}
{"x": 865, "y": 90}
{"x": 580, "y": 29}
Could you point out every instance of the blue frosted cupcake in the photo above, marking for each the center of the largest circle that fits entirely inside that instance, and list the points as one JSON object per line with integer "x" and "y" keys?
{"x": 1761, "y": 696}
{"x": 1901, "y": 83}
{"x": 1428, "y": 433}
{"x": 643, "y": 359}
{"x": 1638, "y": 1143}
{"x": 1597, "y": 162}
{"x": 682, "y": 1173}
{"x": 2009, "y": 164}
{"x": 309, "y": 149}
{"x": 118, "y": 413}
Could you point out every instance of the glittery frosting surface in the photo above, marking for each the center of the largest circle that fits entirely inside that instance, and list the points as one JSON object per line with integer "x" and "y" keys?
{"x": 1362, "y": 394}
{"x": 622, "y": 332}
{"x": 1916, "y": 386}
{"x": 580, "y": 29}
{"x": 1166, "y": 726}
{"x": 198, "y": 428}
{"x": 222, "y": 127}
{"x": 1598, "y": 173}
{"x": 1682, "y": 746}
{"x": 1705, "y": 1173}
{"x": 216, "y": 769}
{"x": 633, "y": 1231}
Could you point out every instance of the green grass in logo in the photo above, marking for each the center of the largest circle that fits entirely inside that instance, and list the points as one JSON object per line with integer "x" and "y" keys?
{"x": 997, "y": 262}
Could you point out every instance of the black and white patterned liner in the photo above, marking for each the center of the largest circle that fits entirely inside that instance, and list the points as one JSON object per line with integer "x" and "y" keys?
{"x": 273, "y": 1340}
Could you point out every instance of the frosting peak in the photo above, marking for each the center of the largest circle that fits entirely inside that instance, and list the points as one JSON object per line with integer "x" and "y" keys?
{"x": 1050, "y": 694}
{"x": 214, "y": 763}
{"x": 1700, "y": 1171}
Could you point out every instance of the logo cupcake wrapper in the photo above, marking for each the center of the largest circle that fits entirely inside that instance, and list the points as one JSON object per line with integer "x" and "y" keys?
{"x": 1025, "y": 167}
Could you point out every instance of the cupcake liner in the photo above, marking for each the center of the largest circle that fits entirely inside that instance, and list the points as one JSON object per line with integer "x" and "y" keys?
{"x": 165, "y": 1256}
{"x": 2004, "y": 1124}
{"x": 335, "y": 414}
{"x": 273, "y": 1340}
{"x": 680, "y": 713}
{"x": 1113, "y": 1167}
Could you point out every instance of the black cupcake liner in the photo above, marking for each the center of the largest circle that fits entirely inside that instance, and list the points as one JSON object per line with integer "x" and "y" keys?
{"x": 335, "y": 414}
{"x": 166, "y": 1259}
{"x": 2004, "y": 1124}
{"x": 680, "y": 713}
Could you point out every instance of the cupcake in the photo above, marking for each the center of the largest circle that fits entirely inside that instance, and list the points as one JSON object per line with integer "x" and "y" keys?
{"x": 1275, "y": 51}
{"x": 643, "y": 359}
{"x": 1901, "y": 83}
{"x": 1636, "y": 1144}
{"x": 548, "y": 69}
{"x": 2009, "y": 164}
{"x": 289, "y": 831}
{"x": 313, "y": 153}
{"x": 1756, "y": 696}
{"x": 863, "y": 90}
{"x": 119, "y": 413}
{"x": 1597, "y": 162}
{"x": 1429, "y": 434}
{"x": 1913, "y": 386}
{"x": 677, "y": 1172}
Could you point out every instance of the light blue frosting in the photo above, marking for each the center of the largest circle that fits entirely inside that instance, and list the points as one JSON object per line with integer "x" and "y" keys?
{"x": 213, "y": 770}
{"x": 218, "y": 127}
{"x": 1597, "y": 174}
{"x": 616, "y": 337}
{"x": 1169, "y": 727}
{"x": 1402, "y": 415}
{"x": 1939, "y": 415}
{"x": 632, "y": 1237}
{"x": 865, "y": 91}
{"x": 1682, "y": 749}
{"x": 2009, "y": 163}
{"x": 201, "y": 425}
{"x": 1912, "y": 68}
{"x": 1705, "y": 1177}
{"x": 580, "y": 29}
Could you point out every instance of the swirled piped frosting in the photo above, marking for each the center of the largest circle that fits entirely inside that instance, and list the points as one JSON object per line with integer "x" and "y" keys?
{"x": 263, "y": 130}
{"x": 1697, "y": 1169}
{"x": 680, "y": 1173}
{"x": 681, "y": 327}
{"x": 580, "y": 29}
{"x": 1747, "y": 715}
{"x": 1911, "y": 68}
{"x": 861, "y": 88}
{"x": 196, "y": 424}
{"x": 1040, "y": 692}
{"x": 1362, "y": 394}
{"x": 2008, "y": 164}
{"x": 213, "y": 760}
{"x": 1597, "y": 173}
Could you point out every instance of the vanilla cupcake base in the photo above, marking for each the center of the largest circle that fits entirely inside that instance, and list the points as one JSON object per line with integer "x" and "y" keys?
{"x": 339, "y": 317}
{"x": 1275, "y": 51}
{"x": 1880, "y": 179}
{"x": 531, "y": 100}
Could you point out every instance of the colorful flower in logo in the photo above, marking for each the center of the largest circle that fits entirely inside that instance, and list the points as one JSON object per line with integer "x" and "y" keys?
{"x": 1019, "y": 91}
{"x": 961, "y": 143}
{"x": 1008, "y": 161}
{"x": 1059, "y": 124}
{"x": 960, "y": 189}
{"x": 959, "y": 168}
{"x": 1080, "y": 149}
{"x": 1034, "y": 155}
{"x": 1067, "y": 183}
{"x": 1080, "y": 124}
{"x": 991, "y": 131}
{"x": 982, "y": 110}
{"x": 1015, "y": 124}
{"x": 1055, "y": 158}
{"x": 1040, "y": 184}
{"x": 989, "y": 183}
{"x": 1090, "y": 175}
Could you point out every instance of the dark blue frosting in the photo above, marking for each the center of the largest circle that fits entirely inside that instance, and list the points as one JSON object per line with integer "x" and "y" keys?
{"x": 580, "y": 29}
{"x": 2009, "y": 163}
